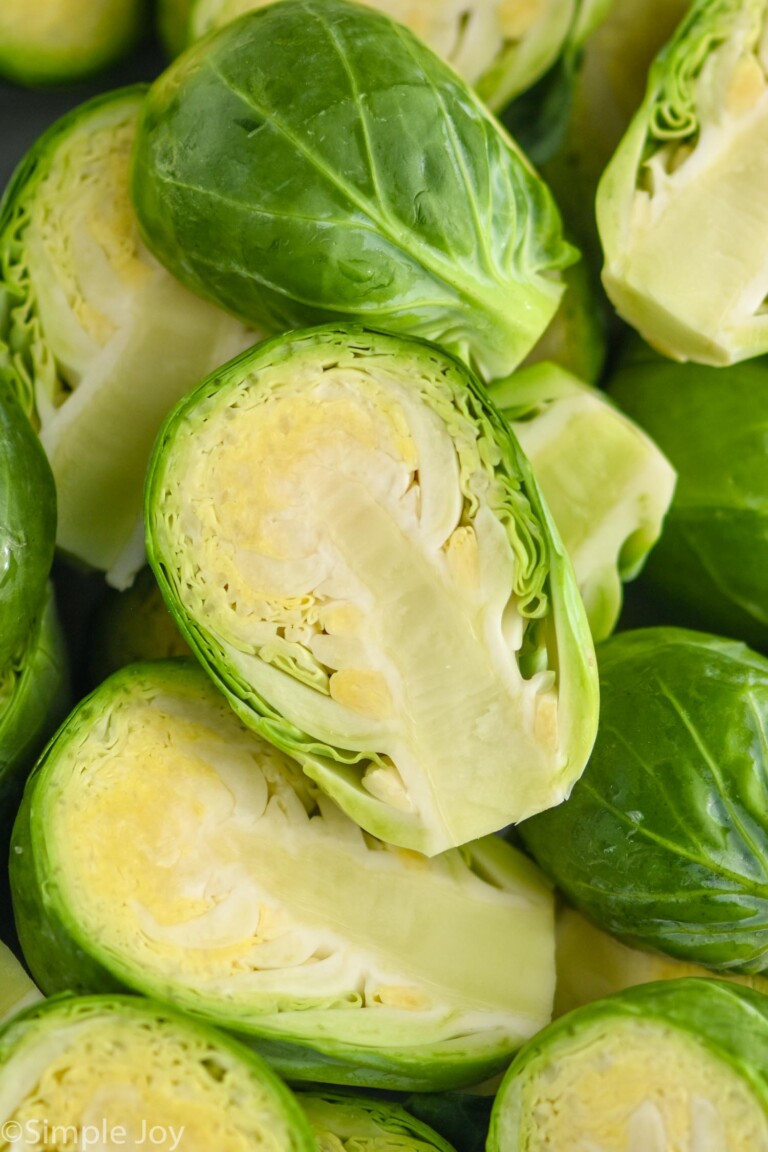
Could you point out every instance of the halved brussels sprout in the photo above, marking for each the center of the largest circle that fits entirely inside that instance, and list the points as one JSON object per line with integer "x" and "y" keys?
{"x": 358, "y": 1124}
{"x": 355, "y": 547}
{"x": 606, "y": 483}
{"x": 664, "y": 840}
{"x": 711, "y": 566}
{"x": 680, "y": 209}
{"x": 163, "y": 847}
{"x": 661, "y": 1068}
{"x": 96, "y": 338}
{"x": 607, "y": 87}
{"x": 378, "y": 189}
{"x": 592, "y": 964}
{"x": 117, "y": 1071}
{"x": 498, "y": 47}
{"x": 17, "y": 991}
{"x": 49, "y": 41}
{"x": 27, "y": 526}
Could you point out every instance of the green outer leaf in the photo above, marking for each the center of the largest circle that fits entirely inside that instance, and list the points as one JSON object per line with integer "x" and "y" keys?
{"x": 728, "y": 1021}
{"x": 27, "y": 525}
{"x": 379, "y": 188}
{"x": 711, "y": 564}
{"x": 299, "y": 1044}
{"x": 363, "y": 1124}
{"x": 40, "y": 1018}
{"x": 664, "y": 840}
{"x": 558, "y": 630}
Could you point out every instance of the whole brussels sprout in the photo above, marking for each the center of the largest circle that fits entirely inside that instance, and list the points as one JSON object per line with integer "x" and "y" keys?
{"x": 50, "y": 41}
{"x": 27, "y": 526}
{"x": 710, "y": 569}
{"x": 34, "y": 697}
{"x": 378, "y": 189}
{"x": 173, "y": 24}
{"x": 664, "y": 840}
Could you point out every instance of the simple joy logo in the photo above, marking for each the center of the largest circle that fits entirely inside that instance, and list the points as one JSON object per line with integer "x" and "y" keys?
{"x": 34, "y": 1135}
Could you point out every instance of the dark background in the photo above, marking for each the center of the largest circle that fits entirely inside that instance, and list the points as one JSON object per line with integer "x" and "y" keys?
{"x": 26, "y": 112}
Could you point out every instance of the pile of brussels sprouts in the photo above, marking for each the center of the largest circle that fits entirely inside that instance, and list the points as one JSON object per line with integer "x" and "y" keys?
{"x": 376, "y": 826}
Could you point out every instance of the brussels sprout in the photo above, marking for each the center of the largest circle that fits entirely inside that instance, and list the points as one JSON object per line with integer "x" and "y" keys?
{"x": 711, "y": 566}
{"x": 680, "y": 208}
{"x": 591, "y": 964}
{"x": 16, "y": 989}
{"x": 607, "y": 485}
{"x": 499, "y": 48}
{"x": 163, "y": 847}
{"x": 133, "y": 626}
{"x": 27, "y": 526}
{"x": 49, "y": 41}
{"x": 95, "y": 337}
{"x": 378, "y": 189}
{"x": 611, "y": 71}
{"x": 357, "y": 1124}
{"x": 34, "y": 695}
{"x": 356, "y": 549}
{"x": 665, "y": 1067}
{"x": 104, "y": 1072}
{"x": 663, "y": 841}
{"x": 173, "y": 24}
